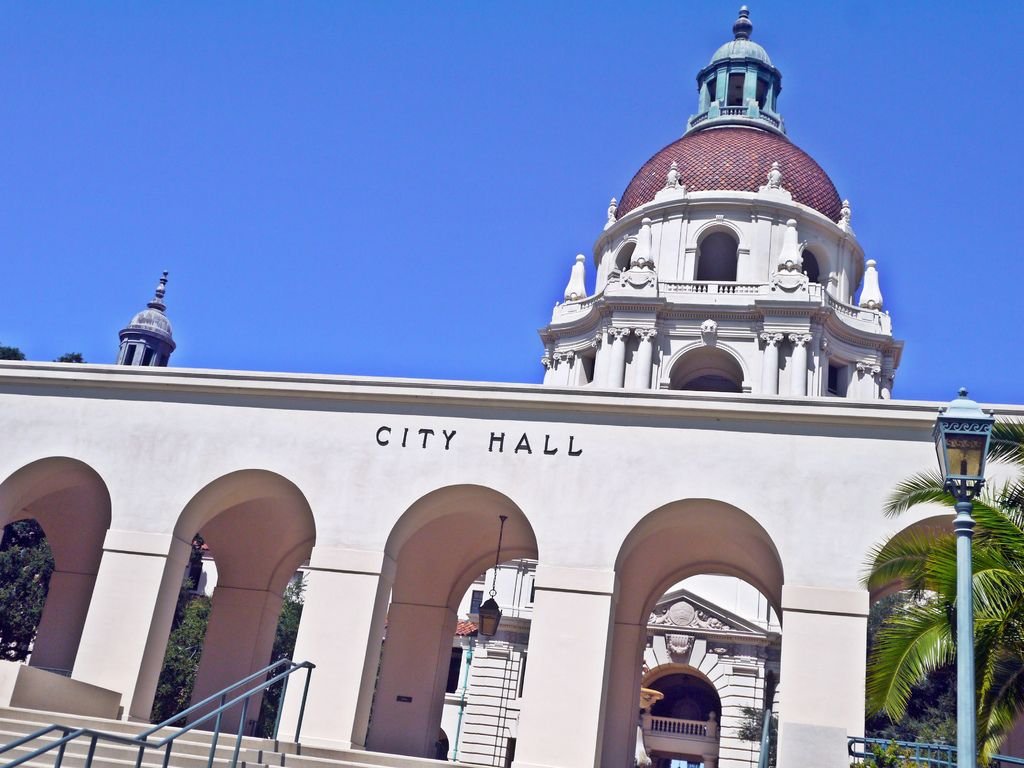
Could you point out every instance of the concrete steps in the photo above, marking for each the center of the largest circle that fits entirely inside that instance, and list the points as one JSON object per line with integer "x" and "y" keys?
{"x": 191, "y": 750}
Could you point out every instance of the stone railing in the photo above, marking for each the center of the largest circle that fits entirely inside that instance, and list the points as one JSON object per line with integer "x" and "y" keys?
{"x": 715, "y": 288}
{"x": 673, "y": 726}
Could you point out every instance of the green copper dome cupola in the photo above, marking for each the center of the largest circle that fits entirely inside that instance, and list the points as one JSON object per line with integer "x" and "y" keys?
{"x": 740, "y": 86}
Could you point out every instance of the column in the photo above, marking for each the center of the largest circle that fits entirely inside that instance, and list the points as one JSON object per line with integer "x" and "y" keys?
{"x": 562, "y": 710}
{"x": 622, "y": 693}
{"x": 548, "y": 364}
{"x": 600, "y": 358}
{"x": 413, "y": 669}
{"x": 617, "y": 357}
{"x": 60, "y": 627}
{"x": 239, "y": 640}
{"x": 798, "y": 376}
{"x": 644, "y": 358}
{"x": 822, "y": 681}
{"x": 125, "y": 634}
{"x": 770, "y": 363}
{"x": 343, "y": 616}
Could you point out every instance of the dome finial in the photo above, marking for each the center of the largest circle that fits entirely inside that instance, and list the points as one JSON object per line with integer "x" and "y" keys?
{"x": 158, "y": 296}
{"x": 742, "y": 28}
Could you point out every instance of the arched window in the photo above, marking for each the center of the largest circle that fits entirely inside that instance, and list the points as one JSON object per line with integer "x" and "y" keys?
{"x": 811, "y": 267}
{"x": 707, "y": 370}
{"x": 716, "y": 258}
{"x": 624, "y": 256}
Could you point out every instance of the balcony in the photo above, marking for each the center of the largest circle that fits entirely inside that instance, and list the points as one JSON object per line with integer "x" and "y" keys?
{"x": 670, "y": 735}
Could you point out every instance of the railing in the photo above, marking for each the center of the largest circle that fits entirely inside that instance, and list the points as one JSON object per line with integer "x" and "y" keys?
{"x": 674, "y": 726}
{"x": 276, "y": 672}
{"x": 923, "y": 754}
{"x": 714, "y": 288}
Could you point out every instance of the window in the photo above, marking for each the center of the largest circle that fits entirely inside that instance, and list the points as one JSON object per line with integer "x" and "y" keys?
{"x": 129, "y": 354}
{"x": 707, "y": 370}
{"x": 838, "y": 380}
{"x": 624, "y": 256}
{"x": 762, "y": 92}
{"x": 475, "y": 600}
{"x": 713, "y": 89}
{"x": 811, "y": 268}
{"x": 522, "y": 673}
{"x": 736, "y": 89}
{"x": 147, "y": 356}
{"x": 716, "y": 258}
{"x": 454, "y": 671}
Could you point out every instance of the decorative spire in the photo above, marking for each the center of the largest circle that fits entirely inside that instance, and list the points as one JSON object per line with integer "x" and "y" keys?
{"x": 790, "y": 257}
{"x": 644, "y": 241}
{"x": 157, "y": 301}
{"x": 844, "y": 217}
{"x": 613, "y": 208}
{"x": 672, "y": 178}
{"x": 743, "y": 28}
{"x": 577, "y": 288}
{"x": 775, "y": 176}
{"x": 871, "y": 293}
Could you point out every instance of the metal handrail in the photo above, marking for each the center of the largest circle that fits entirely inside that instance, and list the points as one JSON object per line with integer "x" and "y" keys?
{"x": 920, "y": 753}
{"x": 286, "y": 666}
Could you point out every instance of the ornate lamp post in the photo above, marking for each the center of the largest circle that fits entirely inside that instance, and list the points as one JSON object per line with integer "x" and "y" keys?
{"x": 961, "y": 434}
{"x": 489, "y": 612}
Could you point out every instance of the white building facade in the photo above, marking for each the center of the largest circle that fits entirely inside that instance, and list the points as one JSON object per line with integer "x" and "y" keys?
{"x": 718, "y": 404}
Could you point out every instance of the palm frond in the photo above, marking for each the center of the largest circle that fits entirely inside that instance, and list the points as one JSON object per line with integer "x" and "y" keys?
{"x": 1007, "y": 441}
{"x": 919, "y": 489}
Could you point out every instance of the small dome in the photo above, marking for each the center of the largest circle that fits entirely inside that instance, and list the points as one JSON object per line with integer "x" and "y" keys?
{"x": 741, "y": 49}
{"x": 151, "y": 320}
{"x": 734, "y": 159}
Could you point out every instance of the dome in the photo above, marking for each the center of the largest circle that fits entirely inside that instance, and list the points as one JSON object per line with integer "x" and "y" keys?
{"x": 152, "y": 321}
{"x": 735, "y": 159}
{"x": 741, "y": 49}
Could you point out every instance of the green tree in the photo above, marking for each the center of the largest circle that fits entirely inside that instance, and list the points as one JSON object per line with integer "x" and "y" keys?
{"x": 919, "y": 639}
{"x": 70, "y": 357}
{"x": 284, "y": 647}
{"x": 26, "y": 563}
{"x": 751, "y": 729}
{"x": 11, "y": 353}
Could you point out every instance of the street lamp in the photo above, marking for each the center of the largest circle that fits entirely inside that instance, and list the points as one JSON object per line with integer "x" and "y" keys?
{"x": 489, "y": 612}
{"x": 961, "y": 435}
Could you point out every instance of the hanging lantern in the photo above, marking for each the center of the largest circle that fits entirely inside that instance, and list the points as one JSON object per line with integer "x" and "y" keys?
{"x": 489, "y": 612}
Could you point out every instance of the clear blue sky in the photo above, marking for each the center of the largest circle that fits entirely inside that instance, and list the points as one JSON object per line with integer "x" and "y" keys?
{"x": 399, "y": 189}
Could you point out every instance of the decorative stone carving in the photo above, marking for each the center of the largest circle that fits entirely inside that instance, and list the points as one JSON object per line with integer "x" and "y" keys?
{"x": 868, "y": 368}
{"x": 771, "y": 339}
{"x": 613, "y": 208}
{"x": 619, "y": 334}
{"x": 642, "y": 258}
{"x": 547, "y": 362}
{"x": 775, "y": 177}
{"x": 871, "y": 293}
{"x": 672, "y": 178}
{"x": 576, "y": 288}
{"x": 645, "y": 333}
{"x": 845, "y": 214}
{"x": 709, "y": 332}
{"x": 791, "y": 255}
{"x": 682, "y": 614}
{"x": 679, "y": 645}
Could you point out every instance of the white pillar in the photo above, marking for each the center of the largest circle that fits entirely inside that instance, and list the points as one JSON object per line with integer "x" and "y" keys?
{"x": 343, "y": 615}
{"x": 822, "y": 682}
{"x": 239, "y": 640}
{"x": 410, "y": 689}
{"x": 623, "y": 693}
{"x": 770, "y": 363}
{"x": 63, "y": 619}
{"x": 549, "y": 368}
{"x": 617, "y": 361}
{"x": 600, "y": 358}
{"x": 567, "y": 664}
{"x": 644, "y": 358}
{"x": 798, "y": 363}
{"x": 130, "y": 616}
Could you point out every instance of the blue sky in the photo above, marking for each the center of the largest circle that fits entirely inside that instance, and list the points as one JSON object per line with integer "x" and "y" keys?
{"x": 399, "y": 189}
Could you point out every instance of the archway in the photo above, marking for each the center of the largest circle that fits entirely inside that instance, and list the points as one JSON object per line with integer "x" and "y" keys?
{"x": 259, "y": 529}
{"x": 707, "y": 369}
{"x": 670, "y": 544}
{"x": 71, "y": 504}
{"x": 683, "y": 724}
{"x": 440, "y": 545}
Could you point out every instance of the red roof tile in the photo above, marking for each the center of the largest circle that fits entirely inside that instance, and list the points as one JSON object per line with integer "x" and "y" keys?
{"x": 465, "y": 629}
{"x": 735, "y": 159}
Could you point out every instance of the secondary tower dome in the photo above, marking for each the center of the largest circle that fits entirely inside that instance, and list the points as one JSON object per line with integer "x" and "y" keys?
{"x": 148, "y": 339}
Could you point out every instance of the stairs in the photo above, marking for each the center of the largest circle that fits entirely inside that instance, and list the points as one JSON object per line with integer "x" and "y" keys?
{"x": 191, "y": 750}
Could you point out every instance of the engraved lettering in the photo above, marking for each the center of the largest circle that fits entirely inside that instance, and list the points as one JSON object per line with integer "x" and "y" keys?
{"x": 447, "y": 437}
{"x": 571, "y": 451}
{"x": 383, "y": 441}
{"x": 523, "y": 445}
{"x": 405, "y": 436}
{"x": 500, "y": 440}
{"x": 549, "y": 451}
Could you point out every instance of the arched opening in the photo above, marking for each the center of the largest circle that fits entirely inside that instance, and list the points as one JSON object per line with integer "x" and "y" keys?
{"x": 624, "y": 256}
{"x": 661, "y": 621}
{"x": 255, "y": 529}
{"x": 717, "y": 256}
{"x": 55, "y": 513}
{"x": 811, "y": 266}
{"x": 443, "y": 547}
{"x": 707, "y": 369}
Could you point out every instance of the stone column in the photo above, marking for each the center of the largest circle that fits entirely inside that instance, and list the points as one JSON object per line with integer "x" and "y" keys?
{"x": 644, "y": 358}
{"x": 343, "y": 616}
{"x": 798, "y": 375}
{"x": 822, "y": 680}
{"x": 549, "y": 367}
{"x": 617, "y": 357}
{"x": 770, "y": 363}
{"x": 413, "y": 670}
{"x": 567, "y": 663}
{"x": 60, "y": 627}
{"x": 125, "y": 633}
{"x": 599, "y": 359}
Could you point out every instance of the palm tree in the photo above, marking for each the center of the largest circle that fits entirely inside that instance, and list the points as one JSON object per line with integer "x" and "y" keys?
{"x": 922, "y": 639}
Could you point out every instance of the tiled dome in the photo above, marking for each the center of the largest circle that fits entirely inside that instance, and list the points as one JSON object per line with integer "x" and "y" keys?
{"x": 735, "y": 159}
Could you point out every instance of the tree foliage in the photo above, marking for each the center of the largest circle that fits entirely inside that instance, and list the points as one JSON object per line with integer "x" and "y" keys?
{"x": 752, "y": 727}
{"x": 70, "y": 357}
{"x": 26, "y": 563}
{"x": 11, "y": 353}
{"x": 918, "y": 641}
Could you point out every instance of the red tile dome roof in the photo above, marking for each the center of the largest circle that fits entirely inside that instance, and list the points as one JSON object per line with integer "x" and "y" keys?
{"x": 735, "y": 159}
